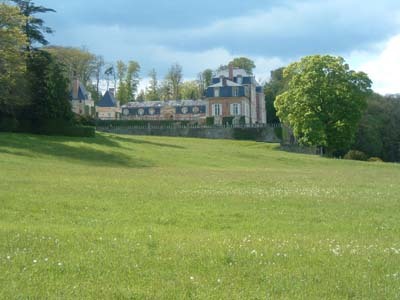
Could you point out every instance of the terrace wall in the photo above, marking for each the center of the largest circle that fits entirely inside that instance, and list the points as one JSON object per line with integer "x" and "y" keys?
{"x": 262, "y": 134}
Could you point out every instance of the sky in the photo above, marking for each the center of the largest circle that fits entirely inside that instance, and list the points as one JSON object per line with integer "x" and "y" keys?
{"x": 207, "y": 33}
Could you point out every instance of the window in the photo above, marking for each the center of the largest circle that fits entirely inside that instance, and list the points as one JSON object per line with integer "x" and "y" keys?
{"x": 216, "y": 92}
{"x": 216, "y": 109}
{"x": 235, "y": 109}
{"x": 239, "y": 79}
{"x": 235, "y": 91}
{"x": 246, "y": 91}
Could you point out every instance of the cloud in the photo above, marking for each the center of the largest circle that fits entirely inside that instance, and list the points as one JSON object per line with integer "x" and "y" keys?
{"x": 384, "y": 68}
{"x": 205, "y": 34}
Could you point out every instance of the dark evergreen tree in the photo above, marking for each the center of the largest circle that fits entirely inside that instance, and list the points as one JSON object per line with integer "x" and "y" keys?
{"x": 272, "y": 89}
{"x": 48, "y": 88}
{"x": 34, "y": 27}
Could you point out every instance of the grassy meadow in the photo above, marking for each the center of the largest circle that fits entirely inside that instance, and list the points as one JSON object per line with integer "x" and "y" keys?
{"x": 128, "y": 217}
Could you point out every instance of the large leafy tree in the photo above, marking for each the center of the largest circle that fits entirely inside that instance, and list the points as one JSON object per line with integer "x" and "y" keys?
{"x": 13, "y": 43}
{"x": 240, "y": 62}
{"x": 78, "y": 63}
{"x": 243, "y": 63}
{"x": 324, "y": 101}
{"x": 34, "y": 27}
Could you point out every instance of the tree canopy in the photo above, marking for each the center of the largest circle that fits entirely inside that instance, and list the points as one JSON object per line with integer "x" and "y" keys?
{"x": 243, "y": 63}
{"x": 34, "y": 27}
{"x": 324, "y": 101}
{"x": 13, "y": 42}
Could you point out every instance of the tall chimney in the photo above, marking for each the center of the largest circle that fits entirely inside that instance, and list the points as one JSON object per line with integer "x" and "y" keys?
{"x": 231, "y": 72}
{"x": 75, "y": 88}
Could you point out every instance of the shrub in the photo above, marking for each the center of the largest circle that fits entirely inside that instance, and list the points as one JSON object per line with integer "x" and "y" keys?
{"x": 356, "y": 155}
{"x": 375, "y": 159}
{"x": 242, "y": 120}
{"x": 210, "y": 121}
{"x": 227, "y": 120}
{"x": 85, "y": 120}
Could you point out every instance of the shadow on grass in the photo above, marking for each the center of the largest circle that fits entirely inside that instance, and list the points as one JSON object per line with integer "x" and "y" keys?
{"x": 84, "y": 151}
{"x": 137, "y": 141}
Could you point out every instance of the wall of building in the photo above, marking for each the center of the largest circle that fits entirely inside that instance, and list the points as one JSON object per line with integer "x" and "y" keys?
{"x": 226, "y": 106}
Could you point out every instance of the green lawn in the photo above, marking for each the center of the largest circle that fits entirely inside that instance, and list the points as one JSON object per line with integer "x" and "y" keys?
{"x": 119, "y": 217}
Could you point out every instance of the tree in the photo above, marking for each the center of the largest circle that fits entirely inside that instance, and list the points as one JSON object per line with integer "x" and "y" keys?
{"x": 109, "y": 74}
{"x": 378, "y": 133}
{"x": 79, "y": 63}
{"x": 243, "y": 63}
{"x": 48, "y": 88}
{"x": 122, "y": 93}
{"x": 98, "y": 72}
{"x": 324, "y": 101}
{"x": 152, "y": 92}
{"x": 141, "y": 96}
{"x": 174, "y": 78}
{"x": 132, "y": 79}
{"x": 190, "y": 90}
{"x": 34, "y": 27}
{"x": 205, "y": 79}
{"x": 166, "y": 91}
{"x": 13, "y": 42}
{"x": 239, "y": 62}
{"x": 272, "y": 89}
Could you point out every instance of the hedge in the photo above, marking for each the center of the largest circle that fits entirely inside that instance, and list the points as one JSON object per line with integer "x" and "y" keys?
{"x": 210, "y": 121}
{"x": 227, "y": 120}
{"x": 61, "y": 127}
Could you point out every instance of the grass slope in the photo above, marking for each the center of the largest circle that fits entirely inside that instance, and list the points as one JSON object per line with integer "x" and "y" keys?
{"x": 120, "y": 217}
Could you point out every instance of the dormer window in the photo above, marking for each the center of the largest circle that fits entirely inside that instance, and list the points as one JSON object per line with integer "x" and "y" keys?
{"x": 239, "y": 79}
{"x": 216, "y": 92}
{"x": 235, "y": 91}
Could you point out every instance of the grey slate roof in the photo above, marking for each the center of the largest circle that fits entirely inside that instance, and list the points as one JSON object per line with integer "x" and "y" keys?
{"x": 166, "y": 103}
{"x": 82, "y": 93}
{"x": 108, "y": 100}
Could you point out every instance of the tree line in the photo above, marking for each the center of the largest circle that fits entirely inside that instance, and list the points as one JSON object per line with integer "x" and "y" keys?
{"x": 125, "y": 77}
